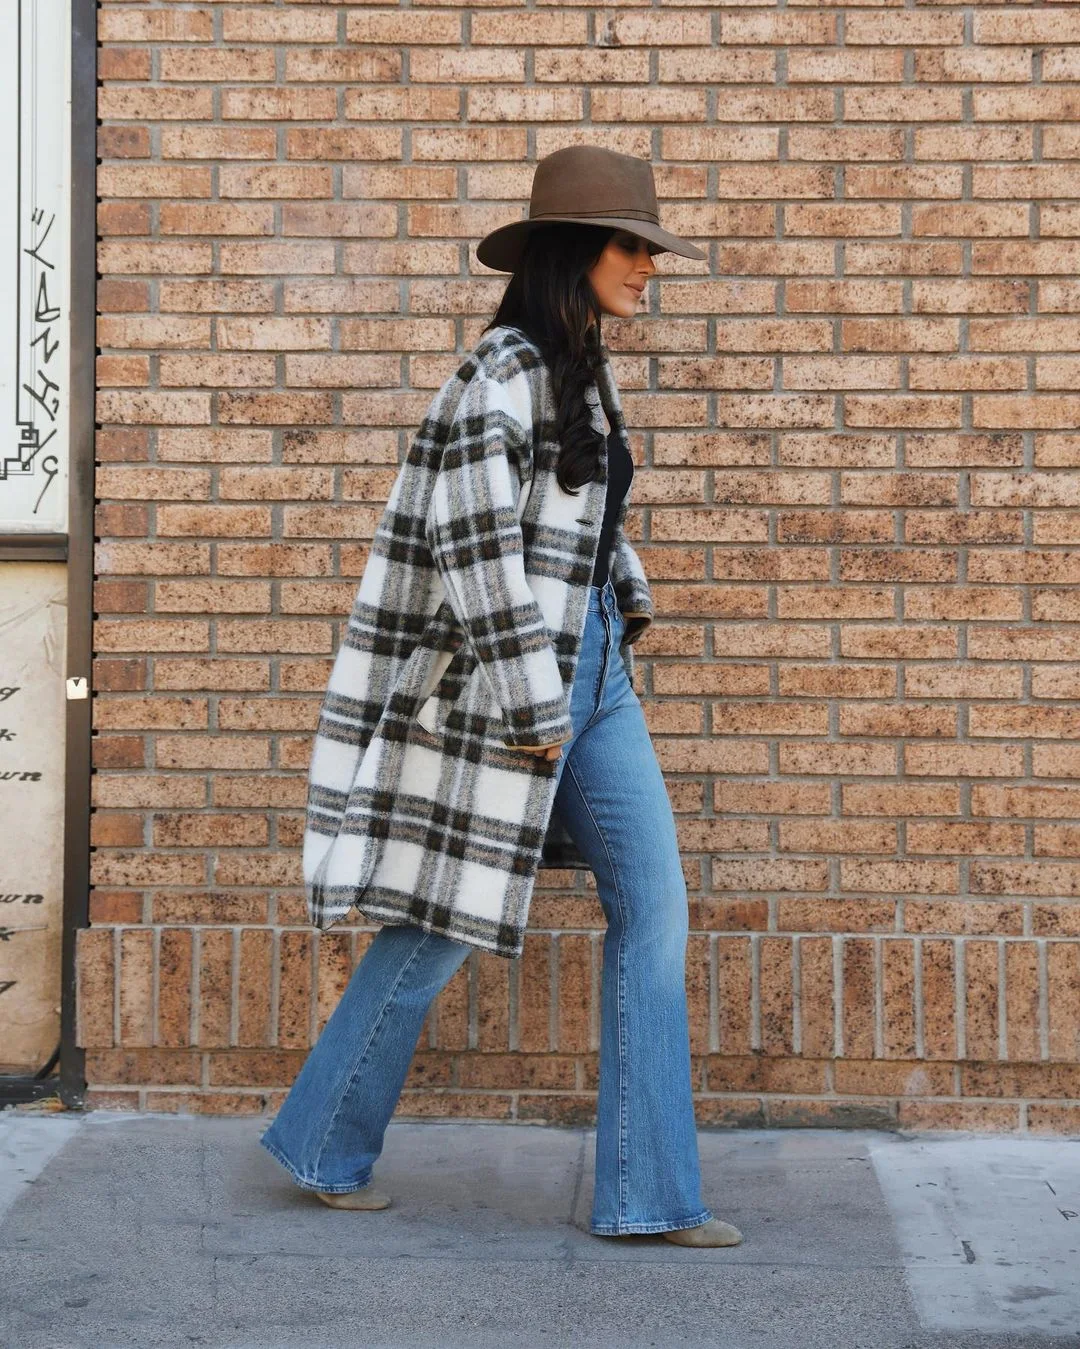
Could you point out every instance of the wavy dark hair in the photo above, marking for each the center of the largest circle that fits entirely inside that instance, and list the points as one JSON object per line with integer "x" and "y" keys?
{"x": 550, "y": 299}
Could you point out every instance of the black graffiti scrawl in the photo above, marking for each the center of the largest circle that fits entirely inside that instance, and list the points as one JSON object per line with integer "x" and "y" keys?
{"x": 8, "y": 737}
{"x": 33, "y": 451}
{"x": 38, "y": 386}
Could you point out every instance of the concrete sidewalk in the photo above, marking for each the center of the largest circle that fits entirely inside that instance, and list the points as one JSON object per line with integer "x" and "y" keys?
{"x": 119, "y": 1229}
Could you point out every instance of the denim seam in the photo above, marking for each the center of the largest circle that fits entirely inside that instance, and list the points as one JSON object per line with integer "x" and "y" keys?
{"x": 370, "y": 1041}
{"x": 303, "y": 1181}
{"x": 619, "y": 986}
{"x": 602, "y": 680}
{"x": 605, "y": 665}
{"x": 630, "y": 1229}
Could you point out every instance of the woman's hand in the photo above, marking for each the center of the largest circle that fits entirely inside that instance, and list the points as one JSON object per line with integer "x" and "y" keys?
{"x": 545, "y": 751}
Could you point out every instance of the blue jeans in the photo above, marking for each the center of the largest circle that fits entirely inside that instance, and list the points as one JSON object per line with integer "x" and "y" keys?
{"x": 611, "y": 796}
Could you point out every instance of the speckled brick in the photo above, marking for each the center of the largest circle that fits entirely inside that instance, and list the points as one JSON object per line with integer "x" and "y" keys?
{"x": 853, "y": 426}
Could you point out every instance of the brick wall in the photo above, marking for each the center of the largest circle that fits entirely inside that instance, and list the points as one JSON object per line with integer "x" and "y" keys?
{"x": 855, "y": 499}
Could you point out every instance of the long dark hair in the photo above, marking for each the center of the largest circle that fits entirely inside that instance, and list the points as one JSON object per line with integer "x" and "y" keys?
{"x": 550, "y": 299}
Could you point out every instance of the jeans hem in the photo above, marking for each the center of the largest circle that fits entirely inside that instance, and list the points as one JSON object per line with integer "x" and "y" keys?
{"x": 625, "y": 1229}
{"x": 306, "y": 1184}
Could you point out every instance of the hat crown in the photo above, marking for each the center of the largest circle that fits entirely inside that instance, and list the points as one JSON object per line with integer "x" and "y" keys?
{"x": 586, "y": 184}
{"x": 584, "y": 180}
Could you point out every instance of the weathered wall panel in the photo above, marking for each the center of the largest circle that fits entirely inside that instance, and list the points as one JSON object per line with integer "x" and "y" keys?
{"x": 33, "y": 622}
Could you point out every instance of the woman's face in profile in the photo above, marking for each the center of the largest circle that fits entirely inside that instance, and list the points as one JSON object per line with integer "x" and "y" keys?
{"x": 621, "y": 272}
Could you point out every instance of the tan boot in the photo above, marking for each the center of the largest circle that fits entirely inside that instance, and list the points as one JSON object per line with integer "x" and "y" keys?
{"x": 711, "y": 1233}
{"x": 367, "y": 1198}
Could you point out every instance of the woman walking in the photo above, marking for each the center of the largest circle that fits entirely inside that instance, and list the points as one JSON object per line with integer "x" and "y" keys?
{"x": 481, "y": 721}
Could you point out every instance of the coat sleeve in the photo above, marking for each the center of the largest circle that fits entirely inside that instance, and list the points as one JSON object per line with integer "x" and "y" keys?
{"x": 475, "y": 538}
{"x": 632, "y": 592}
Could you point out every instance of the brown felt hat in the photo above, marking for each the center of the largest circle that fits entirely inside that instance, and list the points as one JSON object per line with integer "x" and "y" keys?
{"x": 592, "y": 186}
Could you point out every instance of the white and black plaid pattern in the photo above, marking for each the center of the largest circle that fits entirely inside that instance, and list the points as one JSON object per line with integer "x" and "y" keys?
{"x": 462, "y": 642}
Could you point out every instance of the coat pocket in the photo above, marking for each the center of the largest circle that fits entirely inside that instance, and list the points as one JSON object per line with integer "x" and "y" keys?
{"x": 464, "y": 705}
{"x": 452, "y": 674}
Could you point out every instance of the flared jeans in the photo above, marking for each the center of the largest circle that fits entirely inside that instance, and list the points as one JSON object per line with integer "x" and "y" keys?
{"x": 612, "y": 799}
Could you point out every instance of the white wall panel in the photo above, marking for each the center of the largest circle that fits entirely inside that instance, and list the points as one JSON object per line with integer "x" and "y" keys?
{"x": 34, "y": 251}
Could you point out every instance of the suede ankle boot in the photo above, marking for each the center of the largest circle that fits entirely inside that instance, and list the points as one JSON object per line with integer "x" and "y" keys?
{"x": 367, "y": 1199}
{"x": 711, "y": 1233}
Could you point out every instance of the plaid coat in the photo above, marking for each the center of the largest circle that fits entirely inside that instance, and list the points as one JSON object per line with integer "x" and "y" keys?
{"x": 463, "y": 642}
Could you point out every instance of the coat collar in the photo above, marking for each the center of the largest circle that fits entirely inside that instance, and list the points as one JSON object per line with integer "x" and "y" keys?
{"x": 603, "y": 396}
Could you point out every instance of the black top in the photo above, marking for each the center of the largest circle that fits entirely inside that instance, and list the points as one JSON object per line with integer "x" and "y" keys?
{"x": 620, "y": 475}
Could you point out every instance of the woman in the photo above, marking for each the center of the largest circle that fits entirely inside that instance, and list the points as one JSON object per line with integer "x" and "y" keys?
{"x": 481, "y": 721}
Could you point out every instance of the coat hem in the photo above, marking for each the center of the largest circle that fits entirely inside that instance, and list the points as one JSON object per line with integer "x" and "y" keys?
{"x": 396, "y": 917}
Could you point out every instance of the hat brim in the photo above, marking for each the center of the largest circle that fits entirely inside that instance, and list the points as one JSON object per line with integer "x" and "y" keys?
{"x": 502, "y": 248}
